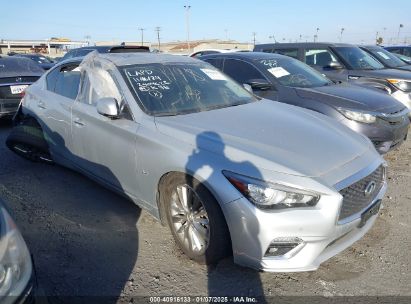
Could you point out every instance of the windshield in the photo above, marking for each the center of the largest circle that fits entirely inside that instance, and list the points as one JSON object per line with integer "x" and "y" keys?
{"x": 404, "y": 58}
{"x": 173, "y": 89}
{"x": 358, "y": 59}
{"x": 387, "y": 58}
{"x": 292, "y": 73}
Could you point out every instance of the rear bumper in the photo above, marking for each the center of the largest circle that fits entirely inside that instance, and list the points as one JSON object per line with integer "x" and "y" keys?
{"x": 8, "y": 107}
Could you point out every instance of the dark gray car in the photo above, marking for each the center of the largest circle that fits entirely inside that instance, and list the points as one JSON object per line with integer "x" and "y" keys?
{"x": 16, "y": 74}
{"x": 389, "y": 60}
{"x": 280, "y": 78}
{"x": 346, "y": 62}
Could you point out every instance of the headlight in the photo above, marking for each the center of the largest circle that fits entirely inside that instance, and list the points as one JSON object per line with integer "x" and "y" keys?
{"x": 15, "y": 260}
{"x": 267, "y": 195}
{"x": 358, "y": 116}
{"x": 402, "y": 85}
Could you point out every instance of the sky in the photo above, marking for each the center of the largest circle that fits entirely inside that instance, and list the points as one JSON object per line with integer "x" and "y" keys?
{"x": 120, "y": 20}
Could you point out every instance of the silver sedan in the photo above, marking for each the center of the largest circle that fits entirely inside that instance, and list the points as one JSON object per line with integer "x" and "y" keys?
{"x": 279, "y": 187}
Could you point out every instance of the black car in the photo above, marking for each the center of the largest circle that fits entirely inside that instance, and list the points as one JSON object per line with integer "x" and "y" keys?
{"x": 389, "y": 60}
{"x": 41, "y": 60}
{"x": 346, "y": 62}
{"x": 374, "y": 114}
{"x": 400, "y": 49}
{"x": 17, "y": 276}
{"x": 404, "y": 58}
{"x": 16, "y": 74}
{"x": 83, "y": 51}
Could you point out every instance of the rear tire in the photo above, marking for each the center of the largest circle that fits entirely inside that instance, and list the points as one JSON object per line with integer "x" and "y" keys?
{"x": 27, "y": 140}
{"x": 195, "y": 219}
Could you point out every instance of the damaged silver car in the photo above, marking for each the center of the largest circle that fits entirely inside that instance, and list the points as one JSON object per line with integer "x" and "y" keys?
{"x": 280, "y": 187}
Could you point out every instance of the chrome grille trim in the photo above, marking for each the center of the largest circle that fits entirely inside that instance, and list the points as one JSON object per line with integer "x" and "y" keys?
{"x": 354, "y": 198}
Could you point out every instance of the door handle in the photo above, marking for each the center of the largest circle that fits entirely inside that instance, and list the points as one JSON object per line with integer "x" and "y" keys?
{"x": 78, "y": 122}
{"x": 41, "y": 105}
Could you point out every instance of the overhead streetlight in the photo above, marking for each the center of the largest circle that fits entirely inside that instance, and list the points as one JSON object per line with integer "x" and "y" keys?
{"x": 187, "y": 7}
{"x": 399, "y": 31}
{"x": 316, "y": 34}
{"x": 341, "y": 33}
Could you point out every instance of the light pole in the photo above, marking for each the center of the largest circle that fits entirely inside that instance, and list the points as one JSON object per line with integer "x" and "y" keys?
{"x": 316, "y": 34}
{"x": 142, "y": 35}
{"x": 158, "y": 29}
{"x": 88, "y": 38}
{"x": 254, "y": 34}
{"x": 226, "y": 34}
{"x": 384, "y": 34}
{"x": 341, "y": 34}
{"x": 187, "y": 7}
{"x": 399, "y": 31}
{"x": 272, "y": 37}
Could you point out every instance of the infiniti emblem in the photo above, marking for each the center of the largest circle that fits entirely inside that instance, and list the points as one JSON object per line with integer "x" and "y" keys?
{"x": 369, "y": 189}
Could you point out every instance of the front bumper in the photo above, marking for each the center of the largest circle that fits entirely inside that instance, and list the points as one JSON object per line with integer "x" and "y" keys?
{"x": 253, "y": 230}
{"x": 384, "y": 135}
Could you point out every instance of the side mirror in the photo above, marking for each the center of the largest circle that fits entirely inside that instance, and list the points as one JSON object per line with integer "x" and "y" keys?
{"x": 259, "y": 84}
{"x": 334, "y": 65}
{"x": 248, "y": 87}
{"x": 108, "y": 107}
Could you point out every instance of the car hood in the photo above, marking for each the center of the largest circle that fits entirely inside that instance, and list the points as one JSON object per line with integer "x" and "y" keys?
{"x": 383, "y": 73}
{"x": 271, "y": 135}
{"x": 352, "y": 97}
{"x": 405, "y": 67}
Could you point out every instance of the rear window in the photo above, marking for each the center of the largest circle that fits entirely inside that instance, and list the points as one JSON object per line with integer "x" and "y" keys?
{"x": 10, "y": 67}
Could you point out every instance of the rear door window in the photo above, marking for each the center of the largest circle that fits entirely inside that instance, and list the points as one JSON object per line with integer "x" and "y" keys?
{"x": 241, "y": 71}
{"x": 64, "y": 81}
{"x": 319, "y": 57}
{"x": 292, "y": 52}
{"x": 407, "y": 52}
{"x": 218, "y": 63}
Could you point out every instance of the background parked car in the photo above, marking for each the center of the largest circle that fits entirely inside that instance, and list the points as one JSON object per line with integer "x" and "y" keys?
{"x": 389, "y": 60}
{"x": 400, "y": 49}
{"x": 16, "y": 74}
{"x": 376, "y": 115}
{"x": 17, "y": 278}
{"x": 83, "y": 51}
{"x": 404, "y": 58}
{"x": 346, "y": 62}
{"x": 228, "y": 172}
{"x": 43, "y": 61}
{"x": 213, "y": 51}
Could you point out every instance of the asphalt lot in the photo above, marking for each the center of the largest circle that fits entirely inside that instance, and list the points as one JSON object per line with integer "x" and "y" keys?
{"x": 87, "y": 240}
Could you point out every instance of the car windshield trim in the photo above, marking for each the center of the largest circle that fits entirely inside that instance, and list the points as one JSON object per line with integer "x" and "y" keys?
{"x": 169, "y": 89}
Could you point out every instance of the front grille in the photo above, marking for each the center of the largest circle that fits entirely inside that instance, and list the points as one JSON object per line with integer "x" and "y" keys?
{"x": 354, "y": 196}
{"x": 394, "y": 118}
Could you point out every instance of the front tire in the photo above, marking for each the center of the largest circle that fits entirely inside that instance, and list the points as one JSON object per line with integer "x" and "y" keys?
{"x": 196, "y": 220}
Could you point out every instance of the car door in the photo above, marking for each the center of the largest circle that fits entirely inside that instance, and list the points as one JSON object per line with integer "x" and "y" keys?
{"x": 103, "y": 147}
{"x": 321, "y": 59}
{"x": 244, "y": 73}
{"x": 53, "y": 106}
